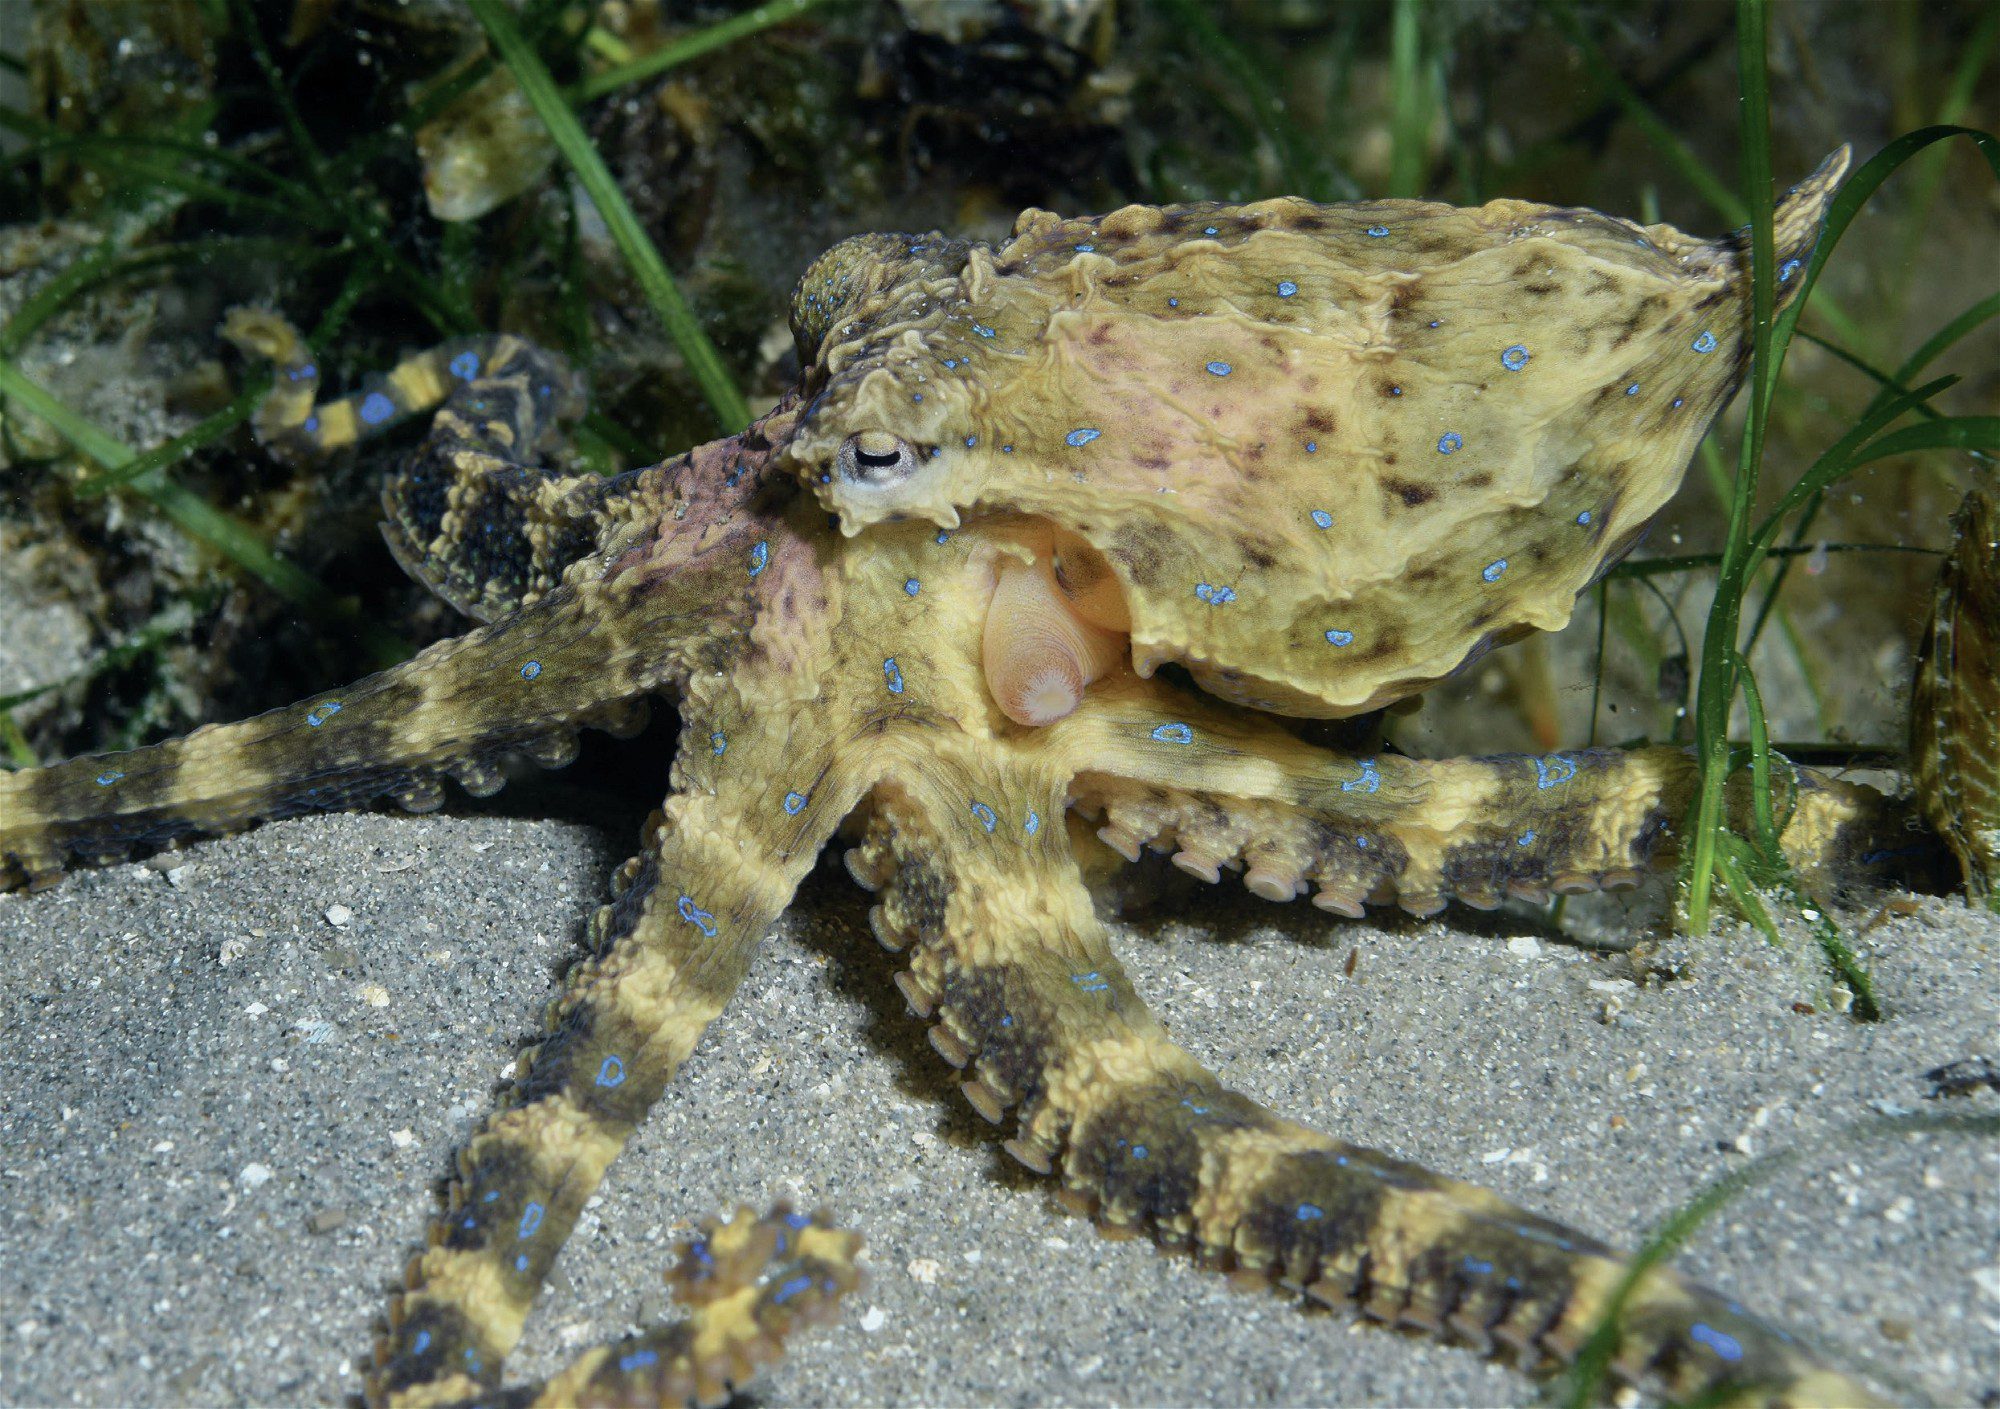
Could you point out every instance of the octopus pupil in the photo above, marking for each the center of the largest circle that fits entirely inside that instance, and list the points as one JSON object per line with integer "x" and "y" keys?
{"x": 877, "y": 461}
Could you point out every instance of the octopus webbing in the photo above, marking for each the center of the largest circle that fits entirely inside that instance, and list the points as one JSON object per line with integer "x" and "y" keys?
{"x": 1053, "y": 530}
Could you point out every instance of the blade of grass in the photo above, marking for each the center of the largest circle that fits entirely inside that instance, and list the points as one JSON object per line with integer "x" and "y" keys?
{"x": 731, "y": 410}
{"x": 1307, "y": 171}
{"x": 169, "y": 452}
{"x": 228, "y": 536}
{"x": 1691, "y": 562}
{"x": 1715, "y": 693}
{"x": 1584, "y": 1383}
{"x": 1407, "y": 100}
{"x": 692, "y": 46}
{"x": 1678, "y": 154}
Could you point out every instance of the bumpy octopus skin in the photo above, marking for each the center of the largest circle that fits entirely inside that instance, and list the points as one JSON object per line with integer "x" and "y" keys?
{"x": 1319, "y": 456}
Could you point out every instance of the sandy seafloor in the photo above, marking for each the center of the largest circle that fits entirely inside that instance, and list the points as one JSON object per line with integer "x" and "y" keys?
{"x": 222, "y": 1118}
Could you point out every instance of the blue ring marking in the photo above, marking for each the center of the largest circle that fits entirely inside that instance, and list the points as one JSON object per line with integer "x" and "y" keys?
{"x": 1678, "y": 403}
{"x": 105, "y": 780}
{"x": 1322, "y": 519}
{"x": 1583, "y": 519}
{"x": 1082, "y": 435}
{"x": 1705, "y": 343}
{"x": 982, "y": 330}
{"x": 320, "y": 713}
{"x": 1173, "y": 303}
{"x": 1198, "y": 1110}
{"x": 1369, "y": 781}
{"x": 1491, "y": 572}
{"x": 376, "y": 408}
{"x": 791, "y": 1288}
{"x": 421, "y": 1344}
{"x": 1340, "y": 1159}
{"x": 465, "y": 366}
{"x": 1218, "y": 369}
{"x": 797, "y": 1222}
{"x": 305, "y": 371}
{"x": 1006, "y": 1020}
{"x": 894, "y": 674}
{"x": 1175, "y": 733}
{"x": 1307, "y": 1213}
{"x": 760, "y": 556}
{"x": 1477, "y": 1266}
{"x": 984, "y": 816}
{"x": 943, "y": 536}
{"x": 1209, "y": 231}
{"x": 1631, "y": 388}
{"x": 1787, "y": 269}
{"x": 468, "y": 1223}
{"x": 1361, "y": 842}
{"x": 311, "y": 425}
{"x": 1378, "y": 231}
{"x": 1515, "y": 358}
{"x": 916, "y": 396}
{"x": 1525, "y": 837}
{"x": 521, "y": 1262}
{"x": 1006, "y": 450}
{"x": 1214, "y": 596}
{"x": 794, "y": 804}
{"x": 1449, "y": 442}
{"x": 971, "y": 441}
{"x": 911, "y": 586}
{"x": 531, "y": 670}
{"x": 1395, "y": 391}
{"x": 611, "y": 1073}
{"x": 531, "y": 1220}
{"x": 637, "y": 1360}
{"x": 1140, "y": 1152}
{"x": 720, "y": 742}
{"x": 1312, "y": 447}
{"x": 1553, "y": 770}
{"x": 696, "y": 916}
{"x": 1286, "y": 288}
{"x": 492, "y": 1195}
{"x": 1033, "y": 824}
{"x": 1337, "y": 637}
{"x": 1723, "y": 1344}
{"x": 1092, "y": 982}
{"x": 472, "y": 1360}
{"x": 1084, "y": 249}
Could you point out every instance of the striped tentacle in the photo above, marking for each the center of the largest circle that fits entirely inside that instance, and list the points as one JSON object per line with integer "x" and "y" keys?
{"x": 296, "y": 426}
{"x": 1169, "y": 772}
{"x": 749, "y": 1284}
{"x": 524, "y": 684}
{"x": 1009, "y": 962}
{"x": 720, "y": 863}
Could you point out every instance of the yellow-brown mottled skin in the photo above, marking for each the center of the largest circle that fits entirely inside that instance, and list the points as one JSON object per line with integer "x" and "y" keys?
{"x": 1955, "y": 712}
{"x": 1319, "y": 456}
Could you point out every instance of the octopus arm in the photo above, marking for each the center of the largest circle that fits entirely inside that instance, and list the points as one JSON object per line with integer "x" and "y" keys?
{"x": 520, "y": 685}
{"x": 1008, "y": 961}
{"x": 720, "y": 863}
{"x": 1166, "y": 770}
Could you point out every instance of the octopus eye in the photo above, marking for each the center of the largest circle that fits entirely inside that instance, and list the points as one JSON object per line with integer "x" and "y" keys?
{"x": 876, "y": 458}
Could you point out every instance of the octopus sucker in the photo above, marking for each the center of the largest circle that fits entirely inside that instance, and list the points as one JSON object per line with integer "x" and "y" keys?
{"x": 1039, "y": 652}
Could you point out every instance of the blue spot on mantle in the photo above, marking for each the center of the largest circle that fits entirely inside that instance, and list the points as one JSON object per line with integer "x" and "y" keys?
{"x": 1515, "y": 358}
{"x": 1082, "y": 435}
{"x": 1173, "y": 734}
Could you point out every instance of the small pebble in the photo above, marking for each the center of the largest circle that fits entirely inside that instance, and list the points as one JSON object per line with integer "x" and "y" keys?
{"x": 338, "y": 916}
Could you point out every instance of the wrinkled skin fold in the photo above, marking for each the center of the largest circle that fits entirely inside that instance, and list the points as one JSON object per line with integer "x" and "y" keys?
{"x": 821, "y": 673}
